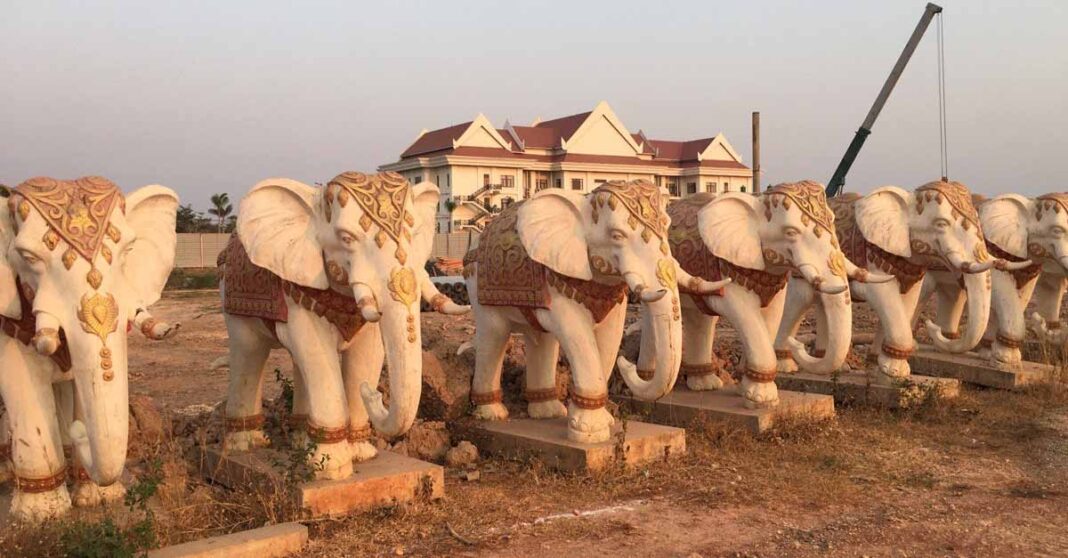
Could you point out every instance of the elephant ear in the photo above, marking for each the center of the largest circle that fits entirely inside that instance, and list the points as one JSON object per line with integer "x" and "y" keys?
{"x": 730, "y": 228}
{"x": 277, "y": 226}
{"x": 553, "y": 232}
{"x": 9, "y": 296}
{"x": 425, "y": 208}
{"x": 152, "y": 213}
{"x": 883, "y": 218}
{"x": 1004, "y": 220}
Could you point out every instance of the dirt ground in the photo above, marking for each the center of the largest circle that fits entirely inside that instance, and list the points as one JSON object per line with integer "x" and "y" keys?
{"x": 983, "y": 475}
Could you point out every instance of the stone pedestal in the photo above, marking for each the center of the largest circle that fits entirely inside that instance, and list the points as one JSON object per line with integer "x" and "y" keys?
{"x": 546, "y": 440}
{"x": 387, "y": 479}
{"x": 973, "y": 369}
{"x": 859, "y": 387}
{"x": 266, "y": 542}
{"x": 682, "y": 407}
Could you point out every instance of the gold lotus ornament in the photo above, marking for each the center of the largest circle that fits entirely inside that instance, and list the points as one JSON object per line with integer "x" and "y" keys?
{"x": 99, "y": 315}
{"x": 836, "y": 263}
{"x": 665, "y": 273}
{"x": 402, "y": 286}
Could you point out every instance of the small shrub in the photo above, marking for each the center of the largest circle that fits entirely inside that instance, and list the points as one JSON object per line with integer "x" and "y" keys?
{"x": 187, "y": 279}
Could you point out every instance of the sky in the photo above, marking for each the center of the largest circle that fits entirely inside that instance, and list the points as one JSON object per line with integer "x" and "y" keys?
{"x": 208, "y": 96}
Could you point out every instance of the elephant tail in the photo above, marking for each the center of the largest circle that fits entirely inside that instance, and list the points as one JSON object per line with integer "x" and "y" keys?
{"x": 220, "y": 363}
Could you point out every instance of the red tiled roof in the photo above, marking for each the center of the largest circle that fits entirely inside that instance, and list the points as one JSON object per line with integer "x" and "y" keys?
{"x": 680, "y": 150}
{"x": 436, "y": 140}
{"x": 532, "y": 136}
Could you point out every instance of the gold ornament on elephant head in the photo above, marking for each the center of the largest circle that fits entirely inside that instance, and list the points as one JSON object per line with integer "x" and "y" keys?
{"x": 383, "y": 198}
{"x": 957, "y": 195}
{"x": 836, "y": 263}
{"x": 810, "y": 199}
{"x": 645, "y": 203}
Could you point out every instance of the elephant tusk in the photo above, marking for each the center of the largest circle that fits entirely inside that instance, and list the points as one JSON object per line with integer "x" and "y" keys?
{"x": 862, "y": 275}
{"x": 809, "y": 272}
{"x": 956, "y": 261}
{"x": 46, "y": 339}
{"x": 652, "y": 296}
{"x": 832, "y": 289}
{"x": 365, "y": 302}
{"x": 1006, "y": 265}
{"x": 976, "y": 267}
{"x": 708, "y": 288}
{"x": 448, "y": 307}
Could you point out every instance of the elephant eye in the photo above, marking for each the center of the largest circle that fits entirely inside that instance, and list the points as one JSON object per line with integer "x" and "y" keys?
{"x": 791, "y": 233}
{"x": 345, "y": 238}
{"x": 942, "y": 223}
{"x": 1058, "y": 231}
{"x": 618, "y": 235}
{"x": 29, "y": 257}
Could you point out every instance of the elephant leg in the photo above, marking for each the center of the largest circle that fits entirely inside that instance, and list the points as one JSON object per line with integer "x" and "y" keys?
{"x": 772, "y": 313}
{"x": 64, "y": 393}
{"x": 249, "y": 349}
{"x": 1008, "y": 308}
{"x": 86, "y": 492}
{"x": 609, "y": 336}
{"x": 362, "y": 362}
{"x": 799, "y": 298}
{"x": 5, "y": 448}
{"x": 949, "y": 306}
{"x": 492, "y": 331}
{"x": 698, "y": 334}
{"x": 894, "y": 338}
{"x": 1048, "y": 294}
{"x": 588, "y": 420}
{"x": 739, "y": 307}
{"x": 37, "y": 457}
{"x": 298, "y": 420}
{"x": 543, "y": 398}
{"x": 312, "y": 342}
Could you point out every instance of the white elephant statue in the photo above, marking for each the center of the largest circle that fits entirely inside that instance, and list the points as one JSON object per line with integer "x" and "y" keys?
{"x": 80, "y": 263}
{"x": 556, "y": 268}
{"x": 1028, "y": 238}
{"x": 905, "y": 234}
{"x": 334, "y": 275}
{"x": 754, "y": 243}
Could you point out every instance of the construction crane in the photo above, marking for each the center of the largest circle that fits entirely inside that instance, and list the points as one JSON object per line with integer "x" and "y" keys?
{"x": 834, "y": 187}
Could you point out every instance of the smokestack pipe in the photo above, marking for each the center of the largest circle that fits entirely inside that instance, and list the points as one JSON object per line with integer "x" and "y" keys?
{"x": 756, "y": 152}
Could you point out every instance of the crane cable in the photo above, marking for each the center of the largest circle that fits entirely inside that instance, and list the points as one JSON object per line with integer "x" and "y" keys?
{"x": 942, "y": 137}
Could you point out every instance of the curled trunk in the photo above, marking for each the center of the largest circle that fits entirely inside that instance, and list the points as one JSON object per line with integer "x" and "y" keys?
{"x": 838, "y": 320}
{"x": 665, "y": 334}
{"x": 976, "y": 286}
{"x": 404, "y": 358}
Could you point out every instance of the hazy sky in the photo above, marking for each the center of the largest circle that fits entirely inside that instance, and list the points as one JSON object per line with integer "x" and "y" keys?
{"x": 214, "y": 96}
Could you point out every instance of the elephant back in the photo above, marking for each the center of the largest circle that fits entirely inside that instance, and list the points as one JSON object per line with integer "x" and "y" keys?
{"x": 507, "y": 276}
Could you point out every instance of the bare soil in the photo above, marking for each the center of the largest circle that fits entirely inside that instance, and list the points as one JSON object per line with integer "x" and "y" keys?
{"x": 985, "y": 474}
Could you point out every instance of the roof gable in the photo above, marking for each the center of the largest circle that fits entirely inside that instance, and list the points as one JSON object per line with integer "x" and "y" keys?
{"x": 435, "y": 140}
{"x": 719, "y": 149}
{"x": 481, "y": 133}
{"x": 602, "y": 133}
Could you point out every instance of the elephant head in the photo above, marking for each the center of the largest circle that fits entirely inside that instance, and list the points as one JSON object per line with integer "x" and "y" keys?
{"x": 87, "y": 261}
{"x": 935, "y": 226}
{"x": 616, "y": 233}
{"x": 789, "y": 229}
{"x": 365, "y": 235}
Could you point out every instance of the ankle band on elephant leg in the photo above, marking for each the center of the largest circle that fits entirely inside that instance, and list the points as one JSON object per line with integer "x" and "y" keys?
{"x": 80, "y": 475}
{"x": 438, "y": 302}
{"x": 297, "y": 421}
{"x": 494, "y": 396}
{"x": 244, "y": 424}
{"x": 542, "y": 395}
{"x": 760, "y": 377}
{"x": 587, "y": 402}
{"x": 784, "y": 354}
{"x": 1053, "y": 325}
{"x": 34, "y": 485}
{"x": 1009, "y": 342}
{"x": 327, "y": 434}
{"x": 698, "y": 370}
{"x": 646, "y": 374}
{"x": 360, "y": 434}
{"x": 897, "y": 352}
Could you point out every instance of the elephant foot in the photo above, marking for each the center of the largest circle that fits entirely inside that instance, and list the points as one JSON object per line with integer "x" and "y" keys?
{"x": 87, "y": 494}
{"x": 1000, "y": 354}
{"x": 40, "y": 506}
{"x": 705, "y": 382}
{"x": 245, "y": 440}
{"x": 492, "y": 411}
{"x": 332, "y": 461}
{"x": 891, "y": 372}
{"x": 786, "y": 366}
{"x": 362, "y": 451}
{"x": 759, "y": 395}
{"x": 589, "y": 426}
{"x": 546, "y": 409}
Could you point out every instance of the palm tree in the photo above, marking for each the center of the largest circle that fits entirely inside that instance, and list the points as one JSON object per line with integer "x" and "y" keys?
{"x": 222, "y": 208}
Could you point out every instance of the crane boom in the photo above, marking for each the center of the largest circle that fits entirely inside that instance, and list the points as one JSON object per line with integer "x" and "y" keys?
{"x": 834, "y": 187}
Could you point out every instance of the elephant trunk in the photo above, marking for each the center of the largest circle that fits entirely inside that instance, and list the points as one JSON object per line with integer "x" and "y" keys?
{"x": 659, "y": 321}
{"x": 102, "y": 410}
{"x": 838, "y": 314}
{"x": 401, "y": 338}
{"x": 978, "y": 291}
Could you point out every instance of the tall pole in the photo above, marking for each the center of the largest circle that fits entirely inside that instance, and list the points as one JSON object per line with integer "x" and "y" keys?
{"x": 834, "y": 187}
{"x": 756, "y": 152}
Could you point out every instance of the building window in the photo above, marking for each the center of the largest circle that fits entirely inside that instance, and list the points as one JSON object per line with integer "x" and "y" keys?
{"x": 710, "y": 187}
{"x": 485, "y": 180}
{"x": 599, "y": 181}
{"x": 743, "y": 188}
{"x": 691, "y": 188}
{"x": 559, "y": 182}
{"x": 506, "y": 201}
{"x": 576, "y": 183}
{"x": 543, "y": 183}
{"x": 418, "y": 179}
{"x": 448, "y": 181}
{"x": 673, "y": 188}
{"x": 507, "y": 181}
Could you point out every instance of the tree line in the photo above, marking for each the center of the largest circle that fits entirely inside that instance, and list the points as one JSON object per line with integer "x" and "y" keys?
{"x": 219, "y": 218}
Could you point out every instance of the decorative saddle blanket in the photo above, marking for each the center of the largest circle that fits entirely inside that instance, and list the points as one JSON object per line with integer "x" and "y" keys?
{"x": 250, "y": 290}
{"x": 508, "y": 277}
{"x": 860, "y": 251}
{"x": 695, "y": 258}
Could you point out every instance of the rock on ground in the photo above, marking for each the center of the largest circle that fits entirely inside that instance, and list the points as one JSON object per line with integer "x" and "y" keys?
{"x": 465, "y": 453}
{"x": 427, "y": 440}
{"x": 147, "y": 428}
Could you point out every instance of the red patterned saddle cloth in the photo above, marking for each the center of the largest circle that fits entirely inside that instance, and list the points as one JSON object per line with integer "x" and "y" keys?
{"x": 250, "y": 290}
{"x": 508, "y": 277}
{"x": 25, "y": 328}
{"x": 695, "y": 258}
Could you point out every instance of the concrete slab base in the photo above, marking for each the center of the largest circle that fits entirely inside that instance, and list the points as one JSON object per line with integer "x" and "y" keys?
{"x": 682, "y": 407}
{"x": 546, "y": 440}
{"x": 266, "y": 542}
{"x": 860, "y": 387}
{"x": 973, "y": 369}
{"x": 386, "y": 480}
